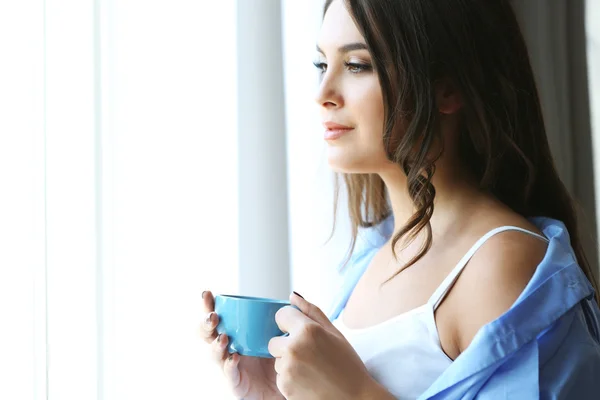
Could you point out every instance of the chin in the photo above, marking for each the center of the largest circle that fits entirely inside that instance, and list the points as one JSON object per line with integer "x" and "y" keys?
{"x": 344, "y": 159}
{"x": 340, "y": 161}
{"x": 348, "y": 165}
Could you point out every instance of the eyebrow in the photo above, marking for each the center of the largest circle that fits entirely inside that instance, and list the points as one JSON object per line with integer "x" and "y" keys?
{"x": 347, "y": 47}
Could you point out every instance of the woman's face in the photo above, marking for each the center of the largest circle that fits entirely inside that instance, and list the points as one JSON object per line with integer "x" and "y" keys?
{"x": 349, "y": 95}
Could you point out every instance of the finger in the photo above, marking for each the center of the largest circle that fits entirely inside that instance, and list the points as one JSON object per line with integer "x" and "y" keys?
{"x": 219, "y": 348}
{"x": 231, "y": 370}
{"x": 278, "y": 366}
{"x": 282, "y": 384}
{"x": 208, "y": 325}
{"x": 289, "y": 319}
{"x": 277, "y": 346}
{"x": 208, "y": 301}
{"x": 310, "y": 310}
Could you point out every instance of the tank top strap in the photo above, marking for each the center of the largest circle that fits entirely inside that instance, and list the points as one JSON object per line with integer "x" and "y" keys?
{"x": 442, "y": 290}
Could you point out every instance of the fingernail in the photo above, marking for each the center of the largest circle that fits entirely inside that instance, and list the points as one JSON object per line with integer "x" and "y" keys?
{"x": 208, "y": 319}
{"x": 298, "y": 294}
{"x": 203, "y": 294}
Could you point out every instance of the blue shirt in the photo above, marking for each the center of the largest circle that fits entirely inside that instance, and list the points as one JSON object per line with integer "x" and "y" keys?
{"x": 547, "y": 345}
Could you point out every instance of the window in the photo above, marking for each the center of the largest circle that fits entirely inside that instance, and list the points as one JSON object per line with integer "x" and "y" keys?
{"x": 117, "y": 205}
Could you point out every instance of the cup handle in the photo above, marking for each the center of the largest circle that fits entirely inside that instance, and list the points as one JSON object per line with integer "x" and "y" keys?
{"x": 289, "y": 305}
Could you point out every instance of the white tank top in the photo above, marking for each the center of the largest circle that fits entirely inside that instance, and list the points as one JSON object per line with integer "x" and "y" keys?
{"x": 404, "y": 353}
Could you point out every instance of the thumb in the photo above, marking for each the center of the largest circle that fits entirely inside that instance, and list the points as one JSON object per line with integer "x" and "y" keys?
{"x": 310, "y": 310}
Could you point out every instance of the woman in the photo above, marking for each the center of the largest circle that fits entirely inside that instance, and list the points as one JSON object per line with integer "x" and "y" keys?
{"x": 467, "y": 277}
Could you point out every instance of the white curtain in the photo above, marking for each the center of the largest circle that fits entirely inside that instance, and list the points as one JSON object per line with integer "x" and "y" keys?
{"x": 22, "y": 241}
{"x": 119, "y": 177}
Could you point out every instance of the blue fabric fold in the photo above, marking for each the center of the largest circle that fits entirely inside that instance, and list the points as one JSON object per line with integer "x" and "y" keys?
{"x": 547, "y": 345}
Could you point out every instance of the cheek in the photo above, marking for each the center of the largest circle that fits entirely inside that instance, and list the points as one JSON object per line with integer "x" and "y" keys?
{"x": 364, "y": 151}
{"x": 365, "y": 101}
{"x": 370, "y": 112}
{"x": 373, "y": 112}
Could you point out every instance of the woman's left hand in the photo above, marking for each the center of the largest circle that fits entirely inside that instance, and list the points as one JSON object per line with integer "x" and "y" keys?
{"x": 315, "y": 361}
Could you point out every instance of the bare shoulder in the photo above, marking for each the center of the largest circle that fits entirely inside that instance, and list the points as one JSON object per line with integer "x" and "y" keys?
{"x": 493, "y": 280}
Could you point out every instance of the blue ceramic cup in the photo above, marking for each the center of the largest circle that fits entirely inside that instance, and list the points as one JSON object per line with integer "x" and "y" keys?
{"x": 249, "y": 322}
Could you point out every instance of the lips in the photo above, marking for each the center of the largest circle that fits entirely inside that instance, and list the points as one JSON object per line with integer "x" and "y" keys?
{"x": 334, "y": 130}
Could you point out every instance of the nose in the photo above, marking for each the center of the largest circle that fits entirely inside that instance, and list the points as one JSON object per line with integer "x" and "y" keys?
{"x": 328, "y": 95}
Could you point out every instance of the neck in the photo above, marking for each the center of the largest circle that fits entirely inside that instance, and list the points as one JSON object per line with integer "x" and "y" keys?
{"x": 454, "y": 193}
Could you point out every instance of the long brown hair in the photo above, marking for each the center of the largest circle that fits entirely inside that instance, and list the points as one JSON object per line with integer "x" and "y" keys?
{"x": 478, "y": 46}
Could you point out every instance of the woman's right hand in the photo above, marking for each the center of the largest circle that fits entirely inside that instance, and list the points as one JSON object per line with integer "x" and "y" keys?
{"x": 250, "y": 378}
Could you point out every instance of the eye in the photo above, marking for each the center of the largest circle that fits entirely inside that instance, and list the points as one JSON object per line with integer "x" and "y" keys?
{"x": 357, "y": 68}
{"x": 321, "y": 66}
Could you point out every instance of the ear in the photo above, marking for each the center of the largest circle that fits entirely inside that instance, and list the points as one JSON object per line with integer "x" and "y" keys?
{"x": 447, "y": 97}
